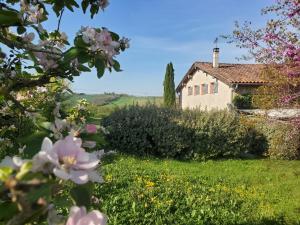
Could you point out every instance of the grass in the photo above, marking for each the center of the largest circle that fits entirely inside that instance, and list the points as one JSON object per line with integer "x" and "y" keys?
{"x": 155, "y": 191}
{"x": 152, "y": 191}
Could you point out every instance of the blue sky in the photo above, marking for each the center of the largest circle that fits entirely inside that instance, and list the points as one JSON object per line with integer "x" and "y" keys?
{"x": 180, "y": 31}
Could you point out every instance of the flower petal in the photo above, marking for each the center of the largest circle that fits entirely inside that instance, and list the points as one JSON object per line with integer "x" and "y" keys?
{"x": 75, "y": 214}
{"x": 61, "y": 174}
{"x": 47, "y": 144}
{"x": 94, "y": 217}
{"x": 79, "y": 176}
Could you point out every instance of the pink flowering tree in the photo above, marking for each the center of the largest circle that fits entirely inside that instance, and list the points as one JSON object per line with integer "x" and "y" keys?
{"x": 276, "y": 45}
{"x": 31, "y": 59}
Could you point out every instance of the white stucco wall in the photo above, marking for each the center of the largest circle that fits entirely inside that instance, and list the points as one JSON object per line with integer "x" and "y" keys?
{"x": 208, "y": 101}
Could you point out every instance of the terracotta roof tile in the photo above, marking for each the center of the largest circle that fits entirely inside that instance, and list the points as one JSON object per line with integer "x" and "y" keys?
{"x": 228, "y": 73}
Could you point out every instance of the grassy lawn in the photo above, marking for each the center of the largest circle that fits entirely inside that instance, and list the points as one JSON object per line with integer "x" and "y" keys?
{"x": 154, "y": 191}
{"x": 150, "y": 191}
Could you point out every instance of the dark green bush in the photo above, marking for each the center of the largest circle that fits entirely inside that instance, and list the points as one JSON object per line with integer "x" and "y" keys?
{"x": 147, "y": 130}
{"x": 243, "y": 101}
{"x": 164, "y": 132}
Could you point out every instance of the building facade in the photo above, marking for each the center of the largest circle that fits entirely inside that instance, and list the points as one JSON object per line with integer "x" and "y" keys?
{"x": 213, "y": 85}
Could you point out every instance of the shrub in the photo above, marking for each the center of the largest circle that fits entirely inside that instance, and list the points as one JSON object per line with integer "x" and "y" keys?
{"x": 147, "y": 130}
{"x": 151, "y": 130}
{"x": 243, "y": 101}
{"x": 282, "y": 137}
{"x": 216, "y": 134}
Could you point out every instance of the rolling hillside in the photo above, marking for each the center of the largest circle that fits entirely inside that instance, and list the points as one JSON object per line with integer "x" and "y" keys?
{"x": 111, "y": 99}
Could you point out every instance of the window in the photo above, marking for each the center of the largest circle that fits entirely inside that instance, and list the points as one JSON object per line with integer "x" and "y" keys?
{"x": 196, "y": 90}
{"x": 213, "y": 88}
{"x": 190, "y": 90}
{"x": 216, "y": 87}
{"x": 204, "y": 89}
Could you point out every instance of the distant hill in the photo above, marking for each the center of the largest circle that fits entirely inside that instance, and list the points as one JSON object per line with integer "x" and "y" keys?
{"x": 112, "y": 99}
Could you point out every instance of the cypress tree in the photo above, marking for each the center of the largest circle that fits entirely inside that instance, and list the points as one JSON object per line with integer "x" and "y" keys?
{"x": 169, "y": 87}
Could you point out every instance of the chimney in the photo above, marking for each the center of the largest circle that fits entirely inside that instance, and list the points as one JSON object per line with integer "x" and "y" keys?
{"x": 216, "y": 57}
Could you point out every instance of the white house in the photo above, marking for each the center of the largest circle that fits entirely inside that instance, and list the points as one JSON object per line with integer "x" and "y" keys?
{"x": 213, "y": 85}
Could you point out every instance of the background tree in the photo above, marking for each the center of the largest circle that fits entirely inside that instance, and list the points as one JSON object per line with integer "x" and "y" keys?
{"x": 169, "y": 87}
{"x": 276, "y": 45}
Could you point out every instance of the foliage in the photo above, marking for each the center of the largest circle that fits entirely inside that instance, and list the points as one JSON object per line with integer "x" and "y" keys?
{"x": 216, "y": 134}
{"x": 79, "y": 113}
{"x": 169, "y": 87}
{"x": 13, "y": 125}
{"x": 282, "y": 137}
{"x": 277, "y": 45}
{"x": 34, "y": 65}
{"x": 153, "y": 131}
{"x": 270, "y": 96}
{"x": 30, "y": 63}
{"x": 166, "y": 132}
{"x": 151, "y": 191}
{"x": 243, "y": 101}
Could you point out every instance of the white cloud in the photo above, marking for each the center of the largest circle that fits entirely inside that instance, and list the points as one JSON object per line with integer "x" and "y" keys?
{"x": 198, "y": 49}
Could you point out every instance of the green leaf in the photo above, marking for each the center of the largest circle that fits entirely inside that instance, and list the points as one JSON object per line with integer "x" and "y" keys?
{"x": 82, "y": 194}
{"x": 21, "y": 30}
{"x": 83, "y": 57}
{"x": 78, "y": 42}
{"x": 84, "y": 68}
{"x": 58, "y": 6}
{"x": 43, "y": 191}
{"x": 39, "y": 69}
{"x": 71, "y": 54}
{"x": 117, "y": 66}
{"x": 114, "y": 36}
{"x": 25, "y": 168}
{"x": 8, "y": 210}
{"x": 9, "y": 18}
{"x": 100, "y": 66}
{"x": 91, "y": 63}
{"x": 84, "y": 5}
{"x": 5, "y": 172}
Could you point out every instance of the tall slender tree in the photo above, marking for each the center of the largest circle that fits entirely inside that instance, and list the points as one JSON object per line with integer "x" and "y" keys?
{"x": 169, "y": 87}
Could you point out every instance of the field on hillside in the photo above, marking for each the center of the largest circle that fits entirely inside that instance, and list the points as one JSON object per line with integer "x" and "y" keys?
{"x": 104, "y": 104}
{"x": 112, "y": 100}
{"x": 150, "y": 191}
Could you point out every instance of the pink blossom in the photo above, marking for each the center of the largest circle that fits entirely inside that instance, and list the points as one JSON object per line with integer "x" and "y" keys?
{"x": 91, "y": 128}
{"x": 79, "y": 216}
{"x": 28, "y": 37}
{"x": 67, "y": 160}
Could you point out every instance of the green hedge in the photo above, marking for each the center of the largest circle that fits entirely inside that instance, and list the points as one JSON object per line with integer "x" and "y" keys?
{"x": 163, "y": 132}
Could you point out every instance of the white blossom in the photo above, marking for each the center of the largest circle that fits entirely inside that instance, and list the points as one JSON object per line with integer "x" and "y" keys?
{"x": 67, "y": 160}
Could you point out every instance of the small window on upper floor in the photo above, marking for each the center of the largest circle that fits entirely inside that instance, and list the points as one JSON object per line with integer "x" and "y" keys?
{"x": 204, "y": 89}
{"x": 190, "y": 90}
{"x": 196, "y": 90}
{"x": 213, "y": 88}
